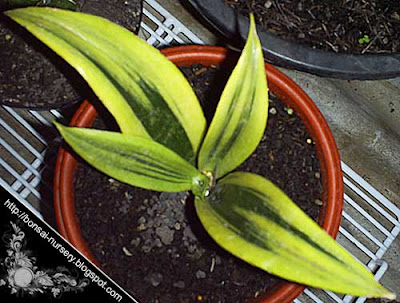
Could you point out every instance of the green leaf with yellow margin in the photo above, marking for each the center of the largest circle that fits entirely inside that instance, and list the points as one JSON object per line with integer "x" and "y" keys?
{"x": 134, "y": 160}
{"x": 240, "y": 119}
{"x": 146, "y": 94}
{"x": 253, "y": 219}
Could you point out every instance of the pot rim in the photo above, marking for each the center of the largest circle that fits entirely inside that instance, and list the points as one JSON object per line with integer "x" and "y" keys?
{"x": 297, "y": 56}
{"x": 287, "y": 90}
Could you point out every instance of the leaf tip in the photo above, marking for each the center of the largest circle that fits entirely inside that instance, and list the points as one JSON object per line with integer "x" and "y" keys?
{"x": 10, "y": 13}
{"x": 388, "y": 294}
{"x": 18, "y": 14}
{"x": 253, "y": 41}
{"x": 382, "y": 292}
{"x": 252, "y": 21}
{"x": 252, "y": 28}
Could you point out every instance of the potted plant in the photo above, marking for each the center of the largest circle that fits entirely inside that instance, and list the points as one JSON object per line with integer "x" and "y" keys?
{"x": 163, "y": 134}
{"x": 32, "y": 76}
{"x": 290, "y": 27}
{"x": 66, "y": 194}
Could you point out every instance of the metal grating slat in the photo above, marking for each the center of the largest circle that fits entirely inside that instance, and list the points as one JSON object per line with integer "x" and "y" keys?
{"x": 25, "y": 124}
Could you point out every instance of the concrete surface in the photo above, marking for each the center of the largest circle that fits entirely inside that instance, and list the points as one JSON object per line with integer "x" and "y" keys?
{"x": 364, "y": 117}
{"x": 364, "y": 125}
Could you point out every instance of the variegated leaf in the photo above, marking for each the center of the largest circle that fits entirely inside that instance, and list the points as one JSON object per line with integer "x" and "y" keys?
{"x": 240, "y": 119}
{"x": 147, "y": 95}
{"x": 134, "y": 160}
{"x": 253, "y": 219}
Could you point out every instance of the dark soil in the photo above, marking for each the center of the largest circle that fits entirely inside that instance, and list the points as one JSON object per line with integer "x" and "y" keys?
{"x": 31, "y": 75}
{"x": 153, "y": 244}
{"x": 332, "y": 25}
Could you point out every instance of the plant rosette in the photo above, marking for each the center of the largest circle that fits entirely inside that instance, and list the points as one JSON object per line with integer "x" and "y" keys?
{"x": 165, "y": 145}
{"x": 280, "y": 85}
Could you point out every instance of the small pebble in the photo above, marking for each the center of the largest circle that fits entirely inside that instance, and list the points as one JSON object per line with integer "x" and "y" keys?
{"x": 300, "y": 6}
{"x": 271, "y": 156}
{"x": 200, "y": 71}
{"x": 135, "y": 242}
{"x": 180, "y": 284}
{"x": 268, "y": 4}
{"x": 318, "y": 202}
{"x": 191, "y": 249}
{"x": 158, "y": 243}
{"x": 301, "y": 35}
{"x": 272, "y": 111}
{"x": 290, "y": 111}
{"x": 154, "y": 279}
{"x": 146, "y": 249}
{"x": 309, "y": 141}
{"x": 141, "y": 227}
{"x": 168, "y": 222}
{"x": 188, "y": 234}
{"x": 212, "y": 264}
{"x": 126, "y": 252}
{"x": 317, "y": 175}
{"x": 8, "y": 37}
{"x": 142, "y": 220}
{"x": 200, "y": 274}
{"x": 166, "y": 235}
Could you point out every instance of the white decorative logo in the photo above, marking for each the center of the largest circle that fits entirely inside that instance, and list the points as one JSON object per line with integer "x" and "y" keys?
{"x": 24, "y": 277}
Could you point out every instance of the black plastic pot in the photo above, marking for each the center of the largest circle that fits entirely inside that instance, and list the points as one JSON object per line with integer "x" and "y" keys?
{"x": 33, "y": 76}
{"x": 291, "y": 55}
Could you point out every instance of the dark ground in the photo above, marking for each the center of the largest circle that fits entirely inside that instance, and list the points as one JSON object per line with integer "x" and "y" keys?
{"x": 31, "y": 75}
{"x": 351, "y": 26}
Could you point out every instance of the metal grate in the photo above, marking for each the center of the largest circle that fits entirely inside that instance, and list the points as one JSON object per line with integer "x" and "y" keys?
{"x": 159, "y": 28}
{"x": 370, "y": 222}
{"x": 25, "y": 137}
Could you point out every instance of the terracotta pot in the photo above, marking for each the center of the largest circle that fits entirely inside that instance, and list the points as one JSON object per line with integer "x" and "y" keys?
{"x": 281, "y": 86}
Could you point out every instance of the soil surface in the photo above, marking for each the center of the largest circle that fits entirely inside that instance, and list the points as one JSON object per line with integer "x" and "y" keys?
{"x": 31, "y": 75}
{"x": 352, "y": 26}
{"x": 153, "y": 244}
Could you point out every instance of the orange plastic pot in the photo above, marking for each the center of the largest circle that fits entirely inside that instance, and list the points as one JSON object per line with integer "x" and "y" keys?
{"x": 285, "y": 89}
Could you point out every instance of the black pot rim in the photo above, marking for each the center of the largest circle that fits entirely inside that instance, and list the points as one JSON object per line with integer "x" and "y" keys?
{"x": 291, "y": 55}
